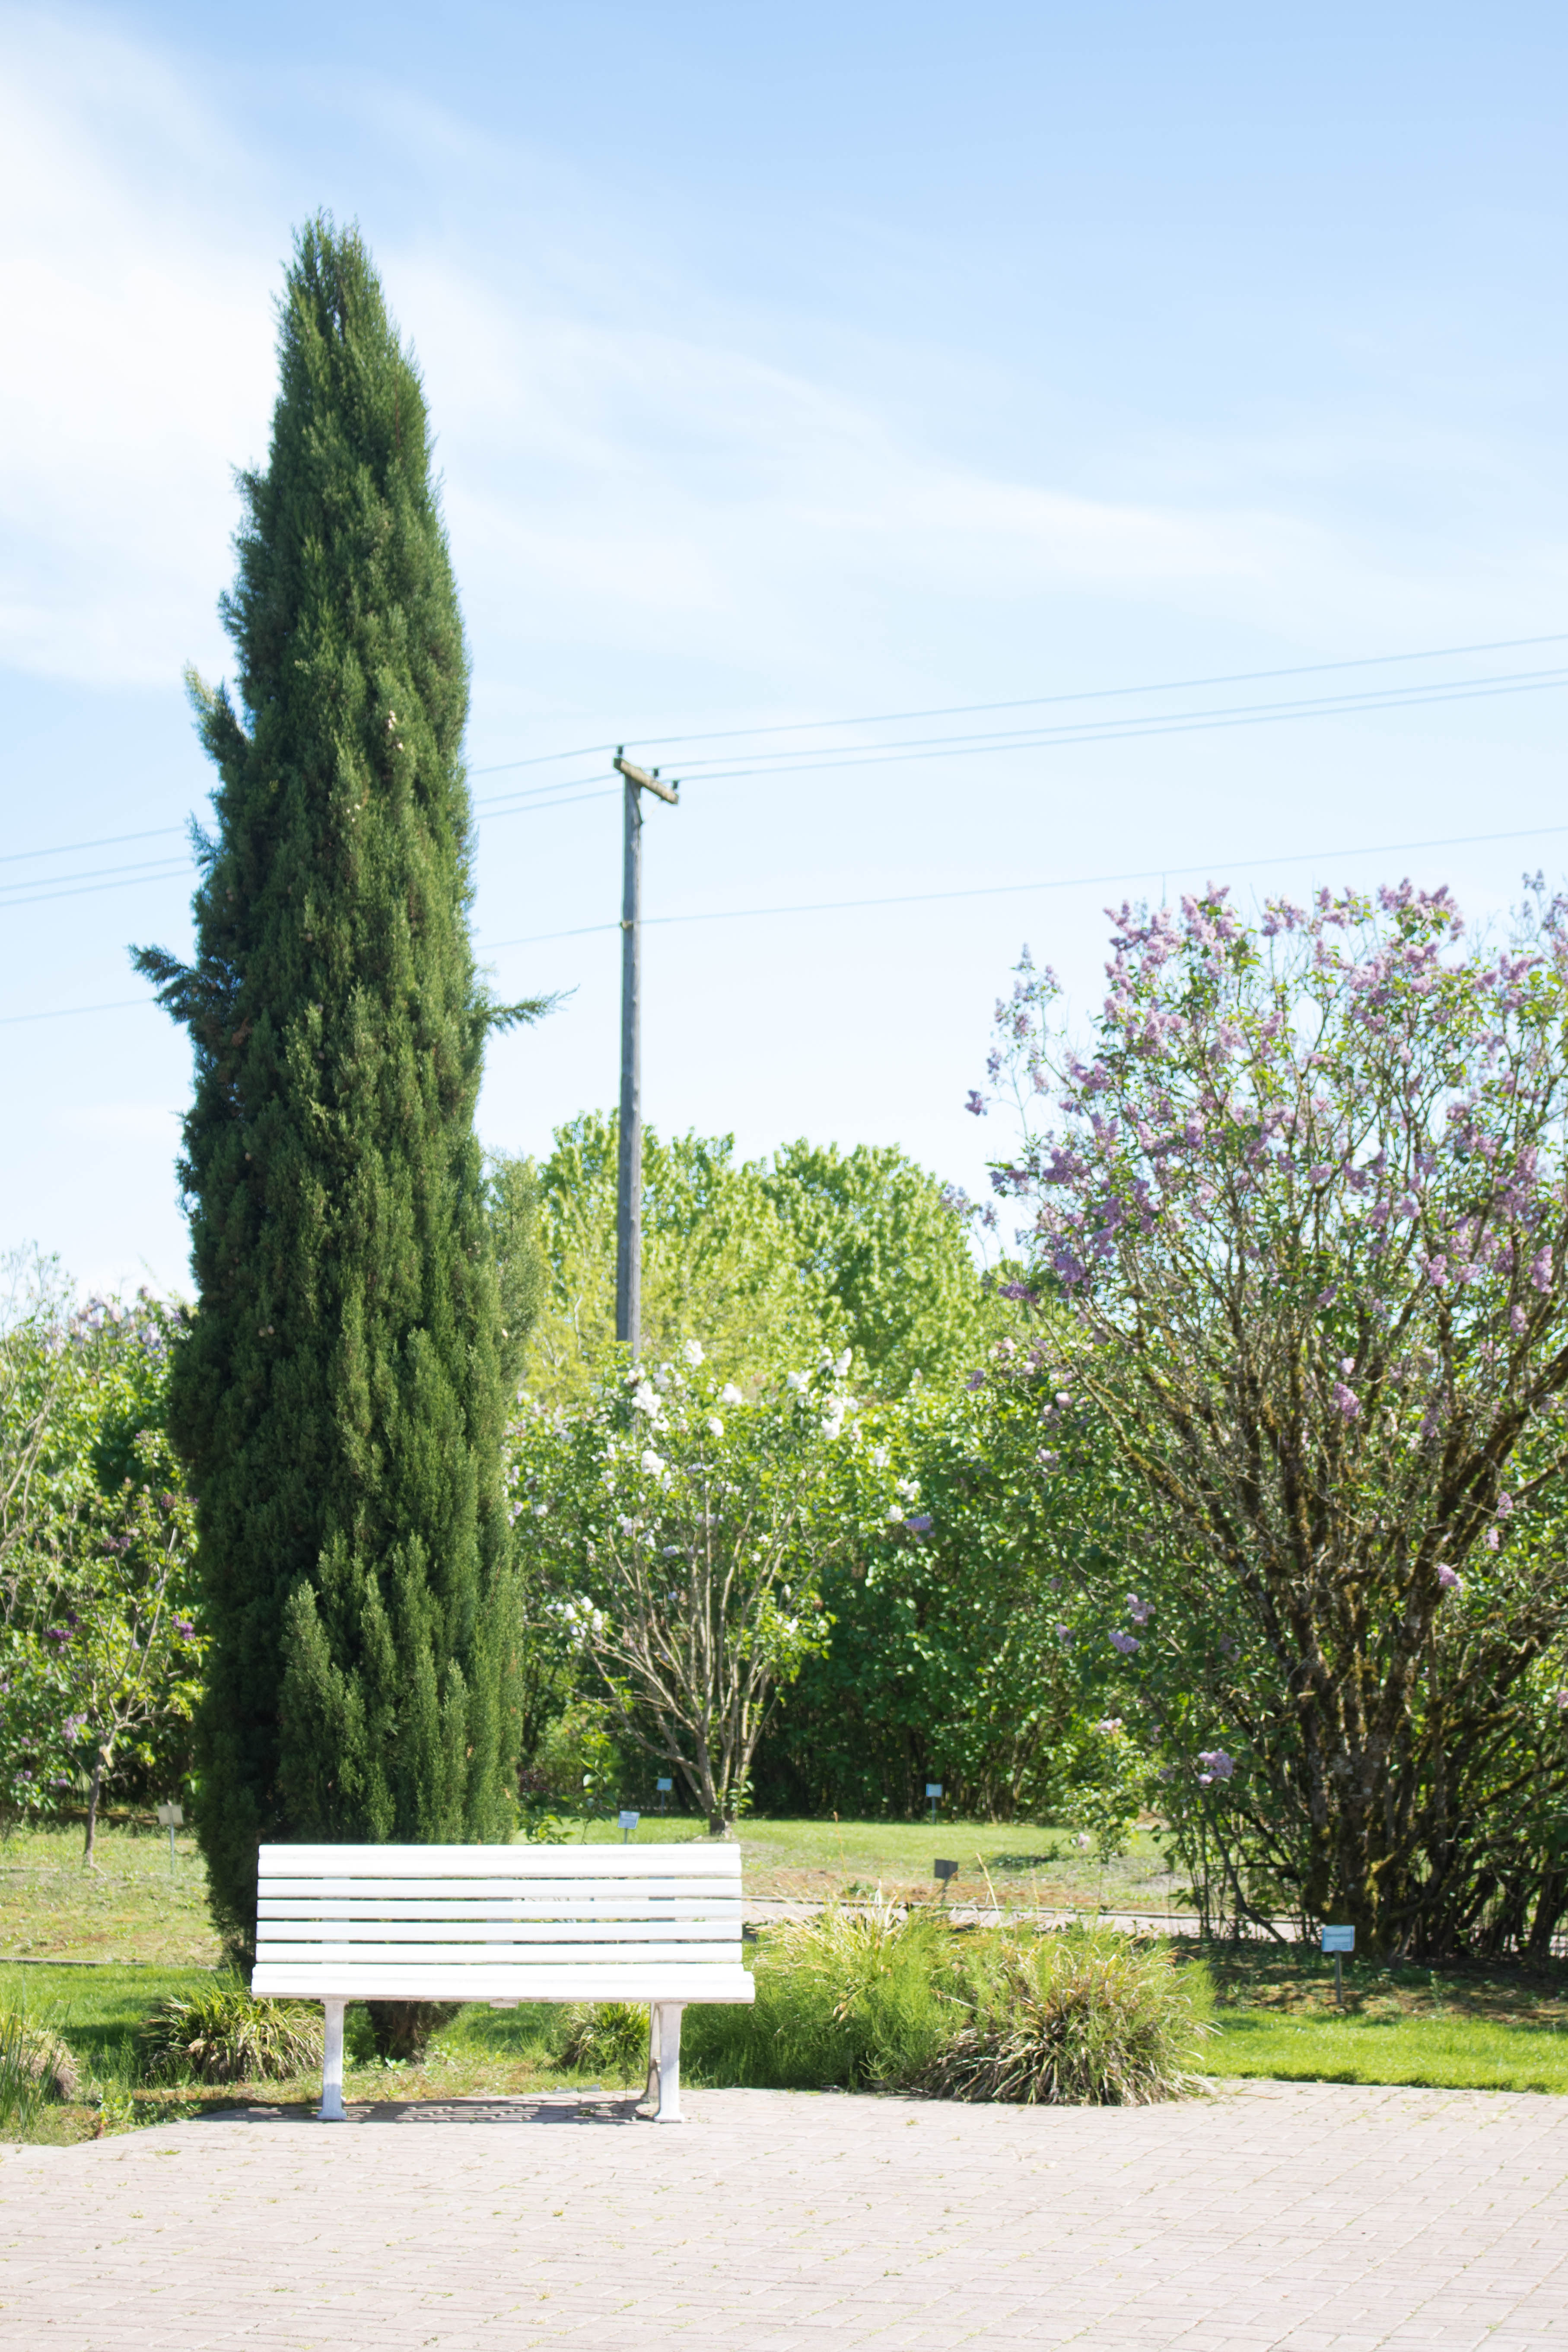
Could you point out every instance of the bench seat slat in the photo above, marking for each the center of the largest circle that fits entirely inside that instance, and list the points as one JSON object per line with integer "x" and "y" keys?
{"x": 522, "y": 1956}
{"x": 498, "y": 1931}
{"x": 381, "y": 1861}
{"x": 511, "y": 1882}
{"x": 518, "y": 1906}
{"x": 397, "y": 1981}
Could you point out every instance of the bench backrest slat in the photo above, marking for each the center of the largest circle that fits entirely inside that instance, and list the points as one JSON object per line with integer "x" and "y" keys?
{"x": 639, "y": 1863}
{"x": 518, "y": 1907}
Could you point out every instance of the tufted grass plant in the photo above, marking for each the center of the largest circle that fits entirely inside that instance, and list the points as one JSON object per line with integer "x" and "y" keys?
{"x": 222, "y": 2033}
{"x": 36, "y": 2067}
{"x": 607, "y": 2037}
{"x": 846, "y": 2000}
{"x": 1078, "y": 2018}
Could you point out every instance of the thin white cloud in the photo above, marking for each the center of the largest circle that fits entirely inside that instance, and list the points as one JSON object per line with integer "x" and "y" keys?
{"x": 639, "y": 483}
{"x": 138, "y": 372}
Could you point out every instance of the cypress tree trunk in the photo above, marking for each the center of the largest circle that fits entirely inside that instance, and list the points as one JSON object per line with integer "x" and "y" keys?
{"x": 338, "y": 1395}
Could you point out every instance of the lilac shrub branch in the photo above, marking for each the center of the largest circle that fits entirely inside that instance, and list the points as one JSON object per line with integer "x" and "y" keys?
{"x": 1305, "y": 1203}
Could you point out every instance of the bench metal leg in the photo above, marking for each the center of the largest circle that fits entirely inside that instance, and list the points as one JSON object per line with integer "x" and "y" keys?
{"x": 330, "y": 2110}
{"x": 665, "y": 2022}
{"x": 652, "y": 2091}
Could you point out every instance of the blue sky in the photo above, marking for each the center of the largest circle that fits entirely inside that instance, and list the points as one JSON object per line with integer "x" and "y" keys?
{"x": 792, "y": 364}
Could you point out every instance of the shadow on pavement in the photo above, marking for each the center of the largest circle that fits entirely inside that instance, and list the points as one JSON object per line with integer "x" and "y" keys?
{"x": 542, "y": 2107}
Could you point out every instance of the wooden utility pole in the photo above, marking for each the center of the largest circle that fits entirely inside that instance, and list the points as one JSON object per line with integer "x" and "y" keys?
{"x": 629, "y": 1190}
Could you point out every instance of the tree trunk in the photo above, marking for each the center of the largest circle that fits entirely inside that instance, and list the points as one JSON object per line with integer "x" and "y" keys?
{"x": 95, "y": 1784}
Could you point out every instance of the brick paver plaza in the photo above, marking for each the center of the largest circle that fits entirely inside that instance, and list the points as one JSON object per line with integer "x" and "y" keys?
{"x": 1276, "y": 2215}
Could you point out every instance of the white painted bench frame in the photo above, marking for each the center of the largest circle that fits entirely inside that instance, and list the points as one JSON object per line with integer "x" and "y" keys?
{"x": 502, "y": 1924}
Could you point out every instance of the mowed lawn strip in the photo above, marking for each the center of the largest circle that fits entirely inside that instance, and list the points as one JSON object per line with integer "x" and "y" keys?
{"x": 1436, "y": 2053}
{"x": 130, "y": 1908}
{"x": 1468, "y": 2026}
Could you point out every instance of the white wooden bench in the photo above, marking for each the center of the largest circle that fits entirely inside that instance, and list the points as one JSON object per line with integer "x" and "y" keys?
{"x": 503, "y": 1924}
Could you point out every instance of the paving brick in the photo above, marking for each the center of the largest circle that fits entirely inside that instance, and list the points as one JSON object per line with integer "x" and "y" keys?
{"x": 1277, "y": 2218}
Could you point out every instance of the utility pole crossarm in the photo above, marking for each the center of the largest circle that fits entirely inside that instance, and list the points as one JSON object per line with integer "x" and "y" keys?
{"x": 628, "y": 1190}
{"x": 647, "y": 780}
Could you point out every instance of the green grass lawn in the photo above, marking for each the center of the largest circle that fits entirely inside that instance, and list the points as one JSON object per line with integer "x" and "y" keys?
{"x": 1440, "y": 2052}
{"x": 1021, "y": 1864}
{"x": 1463, "y": 2028}
{"x": 129, "y": 1908}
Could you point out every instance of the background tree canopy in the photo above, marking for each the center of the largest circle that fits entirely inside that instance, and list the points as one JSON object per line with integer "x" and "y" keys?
{"x": 766, "y": 1263}
{"x": 100, "y": 1637}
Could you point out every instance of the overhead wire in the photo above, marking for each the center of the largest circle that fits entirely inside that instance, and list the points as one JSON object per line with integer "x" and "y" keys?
{"x": 1064, "y": 882}
{"x": 927, "y": 897}
{"x": 1131, "y": 730}
{"x": 1037, "y": 702}
{"x": 1110, "y": 730}
{"x": 567, "y": 792}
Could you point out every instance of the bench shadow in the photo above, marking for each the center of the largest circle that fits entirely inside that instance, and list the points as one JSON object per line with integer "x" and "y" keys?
{"x": 562, "y": 2108}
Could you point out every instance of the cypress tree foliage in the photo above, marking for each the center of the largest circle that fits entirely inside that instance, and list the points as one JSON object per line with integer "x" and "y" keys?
{"x": 339, "y": 1397}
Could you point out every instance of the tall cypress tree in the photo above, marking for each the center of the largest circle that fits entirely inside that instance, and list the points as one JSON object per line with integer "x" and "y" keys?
{"x": 339, "y": 1397}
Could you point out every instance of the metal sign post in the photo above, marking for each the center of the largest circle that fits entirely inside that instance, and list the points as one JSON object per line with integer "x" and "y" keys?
{"x": 171, "y": 1818}
{"x": 1338, "y": 1940}
{"x": 664, "y": 1788}
{"x": 945, "y": 1871}
{"x": 933, "y": 1791}
{"x": 628, "y": 1822}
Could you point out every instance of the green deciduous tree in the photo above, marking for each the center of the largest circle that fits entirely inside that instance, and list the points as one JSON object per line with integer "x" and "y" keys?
{"x": 338, "y": 1396}
{"x": 765, "y": 1263}
{"x": 887, "y": 1245}
{"x": 99, "y": 1644}
{"x": 946, "y": 1657}
{"x": 718, "y": 1262}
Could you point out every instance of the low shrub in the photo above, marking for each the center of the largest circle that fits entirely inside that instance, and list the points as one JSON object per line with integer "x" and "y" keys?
{"x": 1078, "y": 2018}
{"x": 224, "y": 2035}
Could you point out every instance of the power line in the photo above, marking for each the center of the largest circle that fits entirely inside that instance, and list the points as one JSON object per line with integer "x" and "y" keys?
{"x": 94, "y": 873}
{"x": 1068, "y": 882}
{"x": 1022, "y": 739}
{"x": 72, "y": 848}
{"x": 872, "y": 755}
{"x": 928, "y": 898}
{"x": 74, "y": 886}
{"x": 1038, "y": 701}
{"x": 90, "y": 889}
{"x": 66, "y": 1011}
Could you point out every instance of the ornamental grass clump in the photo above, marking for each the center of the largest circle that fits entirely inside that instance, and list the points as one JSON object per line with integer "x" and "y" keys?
{"x": 1077, "y": 2019}
{"x": 607, "y": 2037}
{"x": 36, "y": 2066}
{"x": 224, "y": 2035}
{"x": 846, "y": 2000}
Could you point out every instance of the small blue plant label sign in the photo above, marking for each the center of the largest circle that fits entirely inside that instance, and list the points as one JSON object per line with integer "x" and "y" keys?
{"x": 1339, "y": 1939}
{"x": 934, "y": 1788}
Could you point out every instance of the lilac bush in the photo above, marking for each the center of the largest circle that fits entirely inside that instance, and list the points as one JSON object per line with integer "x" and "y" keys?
{"x": 1302, "y": 1206}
